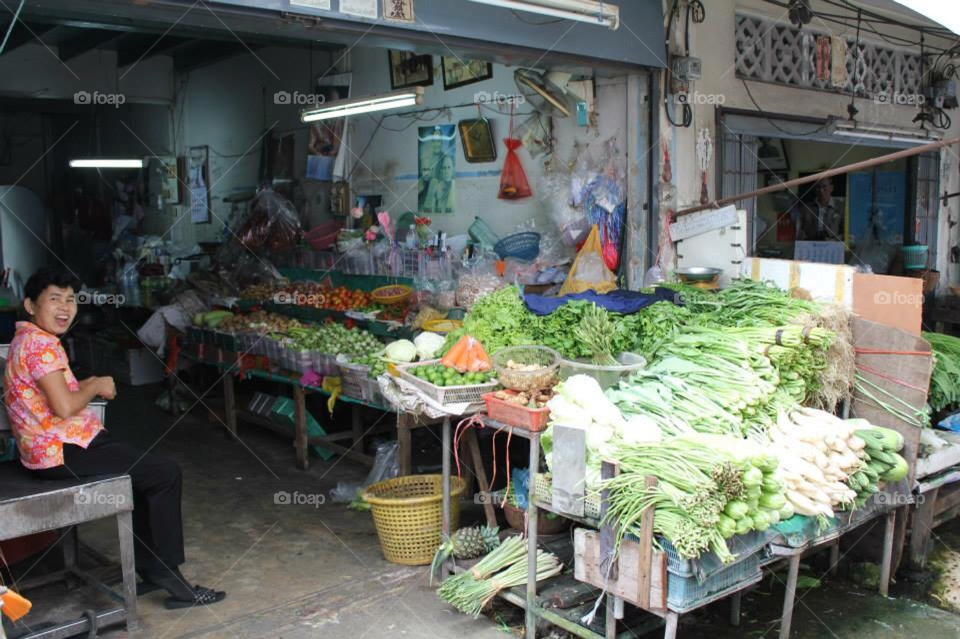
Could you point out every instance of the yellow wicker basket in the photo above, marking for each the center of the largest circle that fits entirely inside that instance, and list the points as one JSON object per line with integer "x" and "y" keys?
{"x": 393, "y": 294}
{"x": 408, "y": 514}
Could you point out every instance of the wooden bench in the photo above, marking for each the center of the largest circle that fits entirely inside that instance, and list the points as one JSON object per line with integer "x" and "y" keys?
{"x": 29, "y": 506}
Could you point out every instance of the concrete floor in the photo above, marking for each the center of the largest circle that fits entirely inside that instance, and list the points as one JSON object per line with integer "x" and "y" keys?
{"x": 290, "y": 571}
{"x": 297, "y": 572}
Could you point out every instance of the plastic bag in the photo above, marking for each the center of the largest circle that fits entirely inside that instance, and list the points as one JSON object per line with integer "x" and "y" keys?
{"x": 589, "y": 271}
{"x": 513, "y": 179}
{"x": 386, "y": 465}
{"x": 272, "y": 223}
{"x": 478, "y": 278}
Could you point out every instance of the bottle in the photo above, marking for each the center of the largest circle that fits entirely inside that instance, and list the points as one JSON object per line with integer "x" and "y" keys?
{"x": 412, "y": 237}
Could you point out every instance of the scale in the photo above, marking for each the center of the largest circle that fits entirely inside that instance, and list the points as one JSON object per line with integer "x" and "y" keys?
{"x": 701, "y": 277}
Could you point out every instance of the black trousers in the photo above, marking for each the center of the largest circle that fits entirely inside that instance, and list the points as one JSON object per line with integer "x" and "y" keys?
{"x": 157, "y": 523}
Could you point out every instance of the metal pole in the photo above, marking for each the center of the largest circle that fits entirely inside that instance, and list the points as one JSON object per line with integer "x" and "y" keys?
{"x": 532, "y": 515}
{"x": 446, "y": 481}
{"x": 856, "y": 166}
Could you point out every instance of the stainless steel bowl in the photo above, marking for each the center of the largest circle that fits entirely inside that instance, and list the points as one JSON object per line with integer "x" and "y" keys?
{"x": 698, "y": 273}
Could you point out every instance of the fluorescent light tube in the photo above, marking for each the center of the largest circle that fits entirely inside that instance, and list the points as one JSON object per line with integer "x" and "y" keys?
{"x": 106, "y": 163}
{"x": 356, "y": 106}
{"x": 588, "y": 11}
{"x": 879, "y": 133}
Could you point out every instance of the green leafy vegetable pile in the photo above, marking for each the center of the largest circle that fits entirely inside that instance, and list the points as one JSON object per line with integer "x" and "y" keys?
{"x": 945, "y": 381}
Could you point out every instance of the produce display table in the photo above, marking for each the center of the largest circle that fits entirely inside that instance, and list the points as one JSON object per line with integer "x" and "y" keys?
{"x": 408, "y": 422}
{"x": 534, "y": 606}
{"x": 302, "y": 440}
{"x": 29, "y": 506}
{"x": 781, "y": 553}
{"x": 937, "y": 502}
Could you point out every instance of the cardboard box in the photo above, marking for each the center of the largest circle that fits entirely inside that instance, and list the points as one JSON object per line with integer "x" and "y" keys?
{"x": 894, "y": 301}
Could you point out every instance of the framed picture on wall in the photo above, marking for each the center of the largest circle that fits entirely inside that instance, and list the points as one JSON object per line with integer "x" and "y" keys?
{"x": 477, "y": 140}
{"x": 410, "y": 69}
{"x": 458, "y": 73}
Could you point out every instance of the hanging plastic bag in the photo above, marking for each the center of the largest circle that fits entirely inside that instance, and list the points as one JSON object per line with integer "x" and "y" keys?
{"x": 513, "y": 179}
{"x": 589, "y": 272}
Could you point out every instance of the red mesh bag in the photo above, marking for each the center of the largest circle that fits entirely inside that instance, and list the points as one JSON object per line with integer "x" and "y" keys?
{"x": 513, "y": 179}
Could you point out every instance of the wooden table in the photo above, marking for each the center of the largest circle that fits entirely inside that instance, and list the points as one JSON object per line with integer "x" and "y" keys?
{"x": 791, "y": 556}
{"x": 302, "y": 440}
{"x": 29, "y": 506}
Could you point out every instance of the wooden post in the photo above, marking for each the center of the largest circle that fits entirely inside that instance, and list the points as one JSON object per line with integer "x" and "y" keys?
{"x": 834, "y": 557}
{"x": 735, "y": 601}
{"x": 670, "y": 630}
{"x": 300, "y": 428}
{"x": 483, "y": 484}
{"x": 922, "y": 529}
{"x": 229, "y": 405}
{"x": 886, "y": 566}
{"x": 788, "y": 599}
{"x": 357, "y": 427}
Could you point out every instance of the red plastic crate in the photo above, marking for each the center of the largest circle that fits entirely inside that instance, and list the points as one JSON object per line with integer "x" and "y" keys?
{"x": 532, "y": 419}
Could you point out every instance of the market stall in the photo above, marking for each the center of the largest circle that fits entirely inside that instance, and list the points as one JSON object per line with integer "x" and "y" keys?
{"x": 688, "y": 470}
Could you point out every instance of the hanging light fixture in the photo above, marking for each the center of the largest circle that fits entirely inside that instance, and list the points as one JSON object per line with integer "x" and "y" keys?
{"x": 589, "y": 11}
{"x": 369, "y": 104}
{"x": 106, "y": 163}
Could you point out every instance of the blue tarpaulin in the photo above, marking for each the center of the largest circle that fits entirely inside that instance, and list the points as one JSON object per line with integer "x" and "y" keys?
{"x": 618, "y": 301}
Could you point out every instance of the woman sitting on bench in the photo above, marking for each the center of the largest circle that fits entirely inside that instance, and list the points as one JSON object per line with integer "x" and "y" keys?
{"x": 59, "y": 437}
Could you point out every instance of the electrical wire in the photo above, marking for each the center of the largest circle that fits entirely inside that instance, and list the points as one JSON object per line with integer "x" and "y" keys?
{"x": 774, "y": 124}
{"x": 525, "y": 20}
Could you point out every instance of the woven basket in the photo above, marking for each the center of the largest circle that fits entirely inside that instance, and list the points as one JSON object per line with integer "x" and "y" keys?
{"x": 408, "y": 514}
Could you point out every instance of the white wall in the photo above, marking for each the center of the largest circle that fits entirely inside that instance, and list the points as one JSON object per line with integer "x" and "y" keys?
{"x": 389, "y": 167}
{"x": 229, "y": 106}
{"x": 713, "y": 42}
{"x": 34, "y": 70}
{"x": 23, "y": 230}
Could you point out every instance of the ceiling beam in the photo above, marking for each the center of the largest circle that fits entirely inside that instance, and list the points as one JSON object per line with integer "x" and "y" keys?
{"x": 142, "y": 46}
{"x": 82, "y": 40}
{"x": 24, "y": 33}
{"x": 203, "y": 53}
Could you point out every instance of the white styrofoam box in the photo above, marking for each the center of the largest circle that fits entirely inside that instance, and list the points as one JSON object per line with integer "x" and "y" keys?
{"x": 824, "y": 282}
{"x": 137, "y": 367}
{"x": 721, "y": 248}
{"x": 99, "y": 407}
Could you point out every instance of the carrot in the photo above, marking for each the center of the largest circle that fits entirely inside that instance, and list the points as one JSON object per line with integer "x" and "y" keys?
{"x": 463, "y": 361}
{"x": 485, "y": 362}
{"x": 455, "y": 351}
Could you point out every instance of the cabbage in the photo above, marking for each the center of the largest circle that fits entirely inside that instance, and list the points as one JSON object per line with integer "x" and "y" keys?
{"x": 563, "y": 411}
{"x": 638, "y": 429}
{"x": 402, "y": 350}
{"x": 428, "y": 344}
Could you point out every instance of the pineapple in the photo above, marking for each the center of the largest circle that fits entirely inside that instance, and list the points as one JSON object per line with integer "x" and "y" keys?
{"x": 466, "y": 543}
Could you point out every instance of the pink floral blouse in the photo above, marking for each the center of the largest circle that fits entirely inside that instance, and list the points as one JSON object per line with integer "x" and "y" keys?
{"x": 35, "y": 353}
